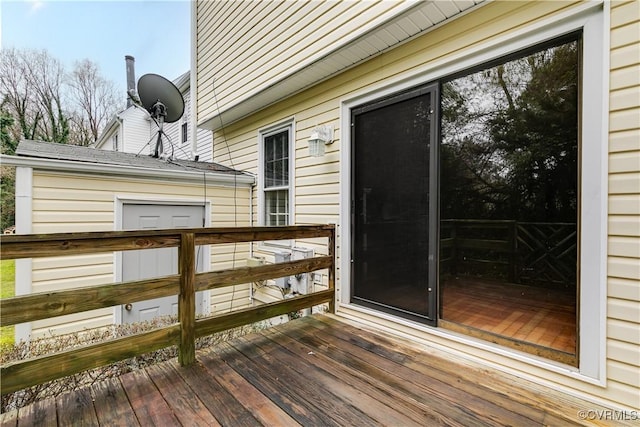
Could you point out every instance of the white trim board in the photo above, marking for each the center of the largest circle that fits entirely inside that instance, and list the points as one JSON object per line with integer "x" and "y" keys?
{"x": 24, "y": 225}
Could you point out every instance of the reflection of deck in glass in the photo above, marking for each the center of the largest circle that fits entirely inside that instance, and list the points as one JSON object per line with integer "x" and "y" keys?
{"x": 539, "y": 316}
{"x": 513, "y": 283}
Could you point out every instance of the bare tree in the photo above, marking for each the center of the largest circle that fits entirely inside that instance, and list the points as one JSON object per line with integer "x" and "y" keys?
{"x": 45, "y": 75}
{"x": 38, "y": 100}
{"x": 95, "y": 98}
{"x": 32, "y": 88}
{"x": 17, "y": 94}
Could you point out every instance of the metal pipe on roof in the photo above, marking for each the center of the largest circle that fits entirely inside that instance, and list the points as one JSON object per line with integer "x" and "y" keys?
{"x": 131, "y": 78}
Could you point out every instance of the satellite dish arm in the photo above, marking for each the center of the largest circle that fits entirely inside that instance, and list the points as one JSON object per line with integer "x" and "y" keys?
{"x": 159, "y": 113}
{"x": 159, "y": 147}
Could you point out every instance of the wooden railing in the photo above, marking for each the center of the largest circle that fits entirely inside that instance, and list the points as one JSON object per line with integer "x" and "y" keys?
{"x": 38, "y": 370}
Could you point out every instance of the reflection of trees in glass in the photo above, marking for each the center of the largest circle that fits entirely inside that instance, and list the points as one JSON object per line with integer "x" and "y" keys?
{"x": 510, "y": 139}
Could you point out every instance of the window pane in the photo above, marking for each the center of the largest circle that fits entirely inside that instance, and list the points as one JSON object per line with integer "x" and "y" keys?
{"x": 509, "y": 195}
{"x": 276, "y": 207}
{"x": 276, "y": 160}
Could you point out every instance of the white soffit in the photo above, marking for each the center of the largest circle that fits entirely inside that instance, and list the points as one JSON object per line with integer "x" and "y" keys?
{"x": 422, "y": 17}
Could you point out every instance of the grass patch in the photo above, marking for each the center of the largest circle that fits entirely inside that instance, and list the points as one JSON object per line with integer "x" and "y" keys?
{"x": 7, "y": 289}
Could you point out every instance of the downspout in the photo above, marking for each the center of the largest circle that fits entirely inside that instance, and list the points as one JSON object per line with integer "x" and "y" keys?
{"x": 193, "y": 93}
{"x": 251, "y": 290}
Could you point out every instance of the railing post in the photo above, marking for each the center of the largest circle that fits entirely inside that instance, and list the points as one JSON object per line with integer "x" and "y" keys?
{"x": 453, "y": 270}
{"x": 187, "y": 300}
{"x": 514, "y": 276}
{"x": 332, "y": 270}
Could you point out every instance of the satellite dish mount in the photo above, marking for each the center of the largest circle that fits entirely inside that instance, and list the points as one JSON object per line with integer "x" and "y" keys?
{"x": 159, "y": 112}
{"x": 164, "y": 103}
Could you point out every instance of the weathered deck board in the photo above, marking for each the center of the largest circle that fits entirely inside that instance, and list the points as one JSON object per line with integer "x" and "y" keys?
{"x": 314, "y": 371}
{"x": 112, "y": 407}
{"x": 42, "y": 413}
{"x": 305, "y": 385}
{"x": 214, "y": 397}
{"x": 264, "y": 409}
{"x": 186, "y": 406}
{"x": 270, "y": 383}
{"x": 146, "y": 400}
{"x": 331, "y": 384}
{"x": 452, "y": 405}
{"x": 385, "y": 397}
{"x": 77, "y": 409}
{"x": 460, "y": 398}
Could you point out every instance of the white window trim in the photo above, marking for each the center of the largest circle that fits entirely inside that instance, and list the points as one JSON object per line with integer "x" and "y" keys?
{"x": 184, "y": 124}
{"x": 24, "y": 225}
{"x": 593, "y": 18}
{"x": 262, "y": 133}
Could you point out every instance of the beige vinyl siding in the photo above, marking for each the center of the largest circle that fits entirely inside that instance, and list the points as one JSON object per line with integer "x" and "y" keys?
{"x": 623, "y": 303}
{"x": 82, "y": 202}
{"x": 238, "y": 52}
{"x": 317, "y": 188}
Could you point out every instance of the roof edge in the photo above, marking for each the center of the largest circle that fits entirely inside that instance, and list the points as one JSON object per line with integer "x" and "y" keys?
{"x": 67, "y": 166}
{"x": 299, "y": 80}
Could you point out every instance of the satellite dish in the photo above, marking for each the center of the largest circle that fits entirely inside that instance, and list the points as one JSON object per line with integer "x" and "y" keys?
{"x": 157, "y": 92}
{"x": 163, "y": 101}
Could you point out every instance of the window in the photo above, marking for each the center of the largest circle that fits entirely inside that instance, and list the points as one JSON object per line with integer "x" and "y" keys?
{"x": 275, "y": 176}
{"x": 115, "y": 143}
{"x": 184, "y": 133}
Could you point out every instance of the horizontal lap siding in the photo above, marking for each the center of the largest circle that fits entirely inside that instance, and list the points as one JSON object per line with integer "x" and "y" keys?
{"x": 79, "y": 203}
{"x": 240, "y": 55}
{"x": 180, "y": 149}
{"x": 317, "y": 188}
{"x": 317, "y": 180}
{"x": 623, "y": 304}
{"x": 137, "y": 132}
{"x": 205, "y": 145}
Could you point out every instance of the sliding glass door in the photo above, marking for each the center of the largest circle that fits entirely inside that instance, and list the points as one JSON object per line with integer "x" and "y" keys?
{"x": 465, "y": 201}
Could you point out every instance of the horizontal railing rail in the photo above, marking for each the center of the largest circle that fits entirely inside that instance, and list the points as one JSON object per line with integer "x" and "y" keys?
{"x": 26, "y": 308}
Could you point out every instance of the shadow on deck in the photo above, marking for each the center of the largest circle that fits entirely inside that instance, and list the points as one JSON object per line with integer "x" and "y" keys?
{"x": 313, "y": 371}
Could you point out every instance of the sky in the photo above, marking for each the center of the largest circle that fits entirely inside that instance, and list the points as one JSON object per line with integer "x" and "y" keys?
{"x": 156, "y": 33}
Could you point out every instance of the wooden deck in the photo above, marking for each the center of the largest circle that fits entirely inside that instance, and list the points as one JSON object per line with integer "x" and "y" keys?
{"x": 314, "y": 371}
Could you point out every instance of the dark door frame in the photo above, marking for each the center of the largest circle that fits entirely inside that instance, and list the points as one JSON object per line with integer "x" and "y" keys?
{"x": 433, "y": 91}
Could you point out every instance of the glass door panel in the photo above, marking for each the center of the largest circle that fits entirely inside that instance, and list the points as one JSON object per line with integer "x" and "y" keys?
{"x": 509, "y": 199}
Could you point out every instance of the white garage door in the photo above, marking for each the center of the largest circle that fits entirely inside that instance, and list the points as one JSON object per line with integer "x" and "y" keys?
{"x": 149, "y": 263}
